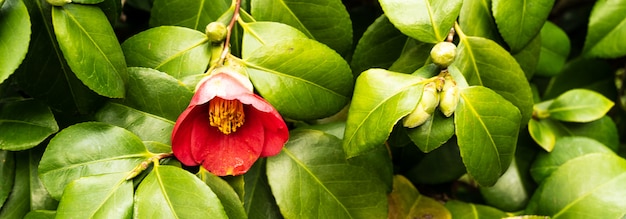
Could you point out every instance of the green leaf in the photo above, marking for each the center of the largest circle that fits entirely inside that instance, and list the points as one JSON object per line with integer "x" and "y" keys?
{"x": 576, "y": 74}
{"x": 607, "y": 25}
{"x": 259, "y": 202}
{"x": 171, "y": 192}
{"x": 381, "y": 98}
{"x": 18, "y": 204}
{"x": 24, "y": 124}
{"x": 303, "y": 79}
{"x": 233, "y": 206}
{"x": 426, "y": 21}
{"x": 311, "y": 178}
{"x": 40, "y": 198}
{"x": 589, "y": 185}
{"x": 191, "y": 14}
{"x": 15, "y": 33}
{"x": 87, "y": 1}
{"x": 555, "y": 48}
{"x": 436, "y": 131}
{"x": 464, "y": 210}
{"x": 91, "y": 48}
{"x": 544, "y": 132}
{"x": 40, "y": 214}
{"x": 258, "y": 34}
{"x": 406, "y": 202}
{"x": 565, "y": 149}
{"x": 528, "y": 57}
{"x": 509, "y": 193}
{"x": 101, "y": 196}
{"x": 146, "y": 126}
{"x": 88, "y": 149}
{"x": 157, "y": 93}
{"x": 415, "y": 54}
{"x": 487, "y": 127}
{"x": 485, "y": 63}
{"x": 476, "y": 20}
{"x": 326, "y": 21}
{"x": 579, "y": 105}
{"x": 520, "y": 21}
{"x": 603, "y": 130}
{"x": 379, "y": 47}
{"x": 44, "y": 73}
{"x": 7, "y": 172}
{"x": 441, "y": 165}
{"x": 177, "y": 51}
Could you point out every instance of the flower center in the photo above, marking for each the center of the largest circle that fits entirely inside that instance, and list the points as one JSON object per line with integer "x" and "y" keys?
{"x": 226, "y": 115}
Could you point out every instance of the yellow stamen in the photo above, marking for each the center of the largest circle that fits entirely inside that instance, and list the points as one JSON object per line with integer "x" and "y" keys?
{"x": 226, "y": 115}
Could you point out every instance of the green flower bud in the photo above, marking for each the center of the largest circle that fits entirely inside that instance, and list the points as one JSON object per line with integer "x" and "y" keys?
{"x": 449, "y": 96}
{"x": 58, "y": 2}
{"x": 216, "y": 31}
{"x": 425, "y": 108}
{"x": 443, "y": 54}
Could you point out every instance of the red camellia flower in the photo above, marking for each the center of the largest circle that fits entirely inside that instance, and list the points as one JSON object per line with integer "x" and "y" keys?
{"x": 227, "y": 127}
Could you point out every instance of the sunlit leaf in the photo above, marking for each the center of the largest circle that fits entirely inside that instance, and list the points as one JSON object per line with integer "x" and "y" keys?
{"x": 258, "y": 34}
{"x": 101, "y": 196}
{"x": 579, "y": 105}
{"x": 406, "y": 202}
{"x": 24, "y": 124}
{"x": 15, "y": 34}
{"x": 40, "y": 214}
{"x": 146, "y": 126}
{"x": 607, "y": 25}
{"x": 520, "y": 21}
{"x": 427, "y": 21}
{"x": 191, "y": 14}
{"x": 436, "y": 131}
{"x": 464, "y": 210}
{"x": 543, "y": 132}
{"x": 476, "y": 20}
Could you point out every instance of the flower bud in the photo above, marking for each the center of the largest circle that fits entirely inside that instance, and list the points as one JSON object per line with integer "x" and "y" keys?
{"x": 443, "y": 54}
{"x": 425, "y": 107}
{"x": 216, "y": 31}
{"x": 449, "y": 96}
{"x": 58, "y": 2}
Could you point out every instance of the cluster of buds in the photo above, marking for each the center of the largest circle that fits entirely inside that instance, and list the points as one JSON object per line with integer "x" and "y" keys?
{"x": 439, "y": 92}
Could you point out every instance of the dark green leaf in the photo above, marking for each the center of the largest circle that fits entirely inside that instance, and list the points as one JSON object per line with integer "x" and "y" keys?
{"x": 565, "y": 149}
{"x": 87, "y": 1}
{"x": 146, "y": 126}
{"x": 15, "y": 35}
{"x": 40, "y": 214}
{"x": 579, "y": 105}
{"x": 171, "y": 192}
{"x": 326, "y": 21}
{"x": 233, "y": 206}
{"x": 508, "y": 193}
{"x": 464, "y": 210}
{"x": 302, "y": 78}
{"x": 24, "y": 124}
{"x": 441, "y": 165}
{"x": 7, "y": 172}
{"x": 88, "y": 149}
{"x": 603, "y": 130}
{"x": 528, "y": 57}
{"x": 157, "y": 93}
{"x": 91, "y": 48}
{"x": 483, "y": 62}
{"x": 258, "y": 34}
{"x": 381, "y": 98}
{"x": 415, "y": 54}
{"x": 576, "y": 74}
{"x": 427, "y": 21}
{"x": 18, "y": 204}
{"x": 476, "y": 20}
{"x": 487, "y": 127}
{"x": 258, "y": 199}
{"x": 520, "y": 21}
{"x": 379, "y": 47}
{"x": 40, "y": 198}
{"x": 177, "y": 51}
{"x": 555, "y": 48}
{"x": 607, "y": 26}
{"x": 101, "y": 196}
{"x": 311, "y": 178}
{"x": 591, "y": 185}
{"x": 378, "y": 162}
{"x": 406, "y": 202}
{"x": 432, "y": 134}
{"x": 192, "y": 14}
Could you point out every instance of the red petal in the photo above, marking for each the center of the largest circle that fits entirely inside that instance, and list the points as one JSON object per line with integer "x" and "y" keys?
{"x": 276, "y": 132}
{"x": 182, "y": 135}
{"x": 221, "y": 85}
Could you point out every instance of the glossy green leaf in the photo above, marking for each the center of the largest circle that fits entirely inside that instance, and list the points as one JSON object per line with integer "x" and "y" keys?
{"x": 146, "y": 126}
{"x": 101, "y": 196}
{"x": 579, "y": 105}
{"x": 157, "y": 93}
{"x": 24, "y": 124}
{"x": 441, "y": 165}
{"x": 258, "y": 34}
{"x": 191, "y": 14}
{"x": 406, "y": 202}
{"x": 520, "y": 21}
{"x": 233, "y": 206}
{"x": 379, "y": 47}
{"x": 607, "y": 26}
{"x": 555, "y": 48}
{"x": 436, "y": 131}
{"x": 603, "y": 130}
{"x": 543, "y": 132}
{"x": 576, "y": 74}
{"x": 40, "y": 214}
{"x": 40, "y": 198}
{"x": 326, "y": 21}
{"x": 566, "y": 149}
{"x": 381, "y": 98}
{"x": 7, "y": 172}
{"x": 476, "y": 20}
{"x": 485, "y": 63}
{"x": 592, "y": 184}
{"x": 87, "y": 1}
{"x": 415, "y": 55}
{"x": 44, "y": 73}
{"x": 464, "y": 210}
{"x": 509, "y": 193}
{"x": 528, "y": 57}
{"x": 88, "y": 149}
{"x": 378, "y": 162}
{"x": 18, "y": 204}
{"x": 426, "y": 21}
{"x": 259, "y": 202}
{"x": 171, "y": 192}
{"x": 311, "y": 178}
{"x": 302, "y": 78}
{"x": 177, "y": 51}
{"x": 487, "y": 127}
{"x": 91, "y": 48}
{"x": 15, "y": 33}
